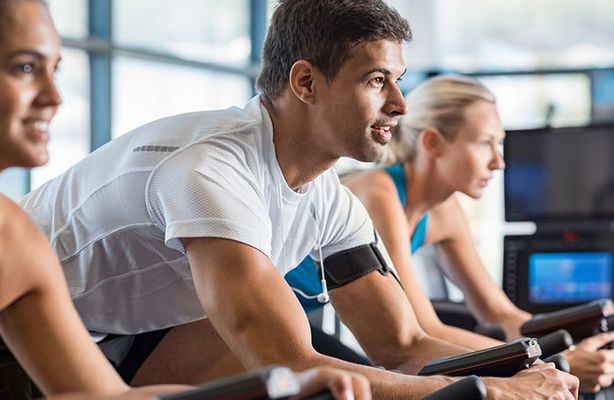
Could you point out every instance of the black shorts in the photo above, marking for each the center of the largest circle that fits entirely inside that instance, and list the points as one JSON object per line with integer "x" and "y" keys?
{"x": 128, "y": 352}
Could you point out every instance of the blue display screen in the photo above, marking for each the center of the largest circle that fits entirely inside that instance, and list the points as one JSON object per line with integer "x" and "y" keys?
{"x": 569, "y": 277}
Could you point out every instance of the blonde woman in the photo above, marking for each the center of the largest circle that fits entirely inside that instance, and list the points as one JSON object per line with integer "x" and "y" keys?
{"x": 448, "y": 142}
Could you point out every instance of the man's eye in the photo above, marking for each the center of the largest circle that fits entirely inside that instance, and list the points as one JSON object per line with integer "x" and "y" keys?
{"x": 378, "y": 81}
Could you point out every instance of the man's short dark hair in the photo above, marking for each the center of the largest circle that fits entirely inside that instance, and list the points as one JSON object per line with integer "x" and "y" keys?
{"x": 322, "y": 32}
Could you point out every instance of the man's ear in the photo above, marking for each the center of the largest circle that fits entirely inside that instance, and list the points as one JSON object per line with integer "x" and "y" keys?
{"x": 432, "y": 141}
{"x": 301, "y": 81}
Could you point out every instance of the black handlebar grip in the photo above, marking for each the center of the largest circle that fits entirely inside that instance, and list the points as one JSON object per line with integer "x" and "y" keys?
{"x": 555, "y": 342}
{"x": 326, "y": 395}
{"x": 559, "y": 361}
{"x": 469, "y": 388}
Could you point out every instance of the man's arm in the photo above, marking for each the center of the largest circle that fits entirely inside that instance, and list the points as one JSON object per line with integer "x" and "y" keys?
{"x": 341, "y": 384}
{"x": 259, "y": 318}
{"x": 378, "y": 313}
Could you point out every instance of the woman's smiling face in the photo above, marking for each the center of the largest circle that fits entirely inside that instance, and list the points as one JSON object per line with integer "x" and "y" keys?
{"x": 29, "y": 56}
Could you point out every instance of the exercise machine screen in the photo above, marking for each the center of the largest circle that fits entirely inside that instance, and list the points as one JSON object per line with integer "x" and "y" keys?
{"x": 569, "y": 277}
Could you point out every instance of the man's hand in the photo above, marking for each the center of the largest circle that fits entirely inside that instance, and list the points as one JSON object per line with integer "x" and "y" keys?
{"x": 591, "y": 364}
{"x": 540, "y": 382}
{"x": 342, "y": 384}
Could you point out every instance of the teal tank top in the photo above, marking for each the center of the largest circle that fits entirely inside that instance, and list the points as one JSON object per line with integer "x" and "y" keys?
{"x": 397, "y": 173}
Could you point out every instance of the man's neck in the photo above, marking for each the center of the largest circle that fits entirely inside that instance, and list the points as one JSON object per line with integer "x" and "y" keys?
{"x": 296, "y": 148}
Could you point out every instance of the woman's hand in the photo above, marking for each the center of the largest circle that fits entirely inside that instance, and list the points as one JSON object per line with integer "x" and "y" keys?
{"x": 593, "y": 365}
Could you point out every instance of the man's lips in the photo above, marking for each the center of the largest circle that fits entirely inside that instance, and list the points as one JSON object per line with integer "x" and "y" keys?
{"x": 382, "y": 133}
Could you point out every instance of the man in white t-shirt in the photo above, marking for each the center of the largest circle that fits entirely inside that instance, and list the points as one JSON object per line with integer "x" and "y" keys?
{"x": 200, "y": 215}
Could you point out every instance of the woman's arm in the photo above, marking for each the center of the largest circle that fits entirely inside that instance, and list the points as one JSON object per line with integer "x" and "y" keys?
{"x": 448, "y": 226}
{"x": 38, "y": 321}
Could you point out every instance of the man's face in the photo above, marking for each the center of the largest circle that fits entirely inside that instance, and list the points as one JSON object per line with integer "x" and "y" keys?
{"x": 356, "y": 111}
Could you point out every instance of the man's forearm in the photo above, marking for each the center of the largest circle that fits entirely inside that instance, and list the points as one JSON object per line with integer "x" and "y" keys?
{"x": 463, "y": 337}
{"x": 384, "y": 384}
{"x": 412, "y": 358}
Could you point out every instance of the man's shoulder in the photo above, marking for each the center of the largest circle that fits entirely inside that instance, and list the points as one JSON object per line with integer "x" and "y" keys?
{"x": 215, "y": 143}
{"x": 205, "y": 123}
{"x": 197, "y": 135}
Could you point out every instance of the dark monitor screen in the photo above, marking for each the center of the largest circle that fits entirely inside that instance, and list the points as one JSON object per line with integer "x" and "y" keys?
{"x": 559, "y": 173}
{"x": 569, "y": 277}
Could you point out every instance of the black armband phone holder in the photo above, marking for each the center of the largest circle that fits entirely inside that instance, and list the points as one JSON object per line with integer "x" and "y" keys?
{"x": 348, "y": 265}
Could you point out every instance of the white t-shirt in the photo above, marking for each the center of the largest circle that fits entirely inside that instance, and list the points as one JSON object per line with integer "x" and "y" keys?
{"x": 115, "y": 218}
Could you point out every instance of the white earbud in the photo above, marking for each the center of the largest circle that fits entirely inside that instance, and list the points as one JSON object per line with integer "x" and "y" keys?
{"x": 323, "y": 297}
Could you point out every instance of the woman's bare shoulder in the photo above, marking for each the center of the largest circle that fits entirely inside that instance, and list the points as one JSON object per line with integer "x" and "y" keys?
{"x": 9, "y": 213}
{"x": 448, "y": 219}
{"x": 370, "y": 183}
{"x": 15, "y": 225}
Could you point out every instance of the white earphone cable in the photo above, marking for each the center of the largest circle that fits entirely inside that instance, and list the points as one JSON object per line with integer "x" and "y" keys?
{"x": 322, "y": 297}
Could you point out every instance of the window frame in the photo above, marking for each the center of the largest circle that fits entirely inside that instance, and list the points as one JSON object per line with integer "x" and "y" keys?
{"x": 101, "y": 49}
